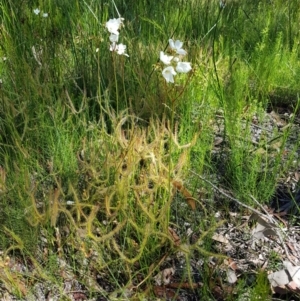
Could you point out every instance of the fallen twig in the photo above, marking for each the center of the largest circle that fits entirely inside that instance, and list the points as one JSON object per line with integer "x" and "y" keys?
{"x": 267, "y": 215}
{"x": 227, "y": 195}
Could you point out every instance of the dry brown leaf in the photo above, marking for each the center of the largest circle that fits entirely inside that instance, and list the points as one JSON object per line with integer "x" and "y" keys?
{"x": 163, "y": 292}
{"x": 79, "y": 296}
{"x": 164, "y": 276}
{"x": 175, "y": 237}
{"x": 232, "y": 264}
{"x": 221, "y": 292}
{"x": 293, "y": 286}
{"x": 218, "y": 292}
{"x": 262, "y": 229}
{"x": 189, "y": 198}
{"x": 220, "y": 238}
{"x": 288, "y": 180}
{"x": 230, "y": 270}
{"x": 259, "y": 232}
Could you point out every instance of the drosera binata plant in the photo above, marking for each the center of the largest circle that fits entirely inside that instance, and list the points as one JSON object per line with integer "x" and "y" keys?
{"x": 172, "y": 64}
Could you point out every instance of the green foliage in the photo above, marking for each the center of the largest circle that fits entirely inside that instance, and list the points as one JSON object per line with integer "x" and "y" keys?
{"x": 91, "y": 142}
{"x": 261, "y": 290}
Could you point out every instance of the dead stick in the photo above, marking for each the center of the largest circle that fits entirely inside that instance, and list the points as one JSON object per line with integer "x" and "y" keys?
{"x": 248, "y": 207}
{"x": 227, "y": 195}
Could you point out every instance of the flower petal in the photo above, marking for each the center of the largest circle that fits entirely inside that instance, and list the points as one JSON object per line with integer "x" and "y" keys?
{"x": 114, "y": 38}
{"x": 168, "y": 73}
{"x": 178, "y": 44}
{"x": 171, "y": 43}
{"x": 166, "y": 59}
{"x": 183, "y": 67}
{"x": 181, "y": 51}
{"x": 121, "y": 48}
{"x": 113, "y": 25}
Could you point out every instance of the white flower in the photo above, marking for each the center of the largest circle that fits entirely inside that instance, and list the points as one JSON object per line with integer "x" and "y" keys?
{"x": 36, "y": 11}
{"x": 168, "y": 73}
{"x": 113, "y": 25}
{"x": 183, "y": 67}
{"x": 45, "y": 15}
{"x": 113, "y": 38}
{"x": 177, "y": 46}
{"x": 166, "y": 59}
{"x": 119, "y": 48}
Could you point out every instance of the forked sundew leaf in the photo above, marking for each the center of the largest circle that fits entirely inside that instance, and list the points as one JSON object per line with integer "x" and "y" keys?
{"x": 191, "y": 202}
{"x": 54, "y": 211}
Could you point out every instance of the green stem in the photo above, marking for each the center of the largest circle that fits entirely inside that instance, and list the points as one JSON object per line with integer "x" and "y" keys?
{"x": 116, "y": 83}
